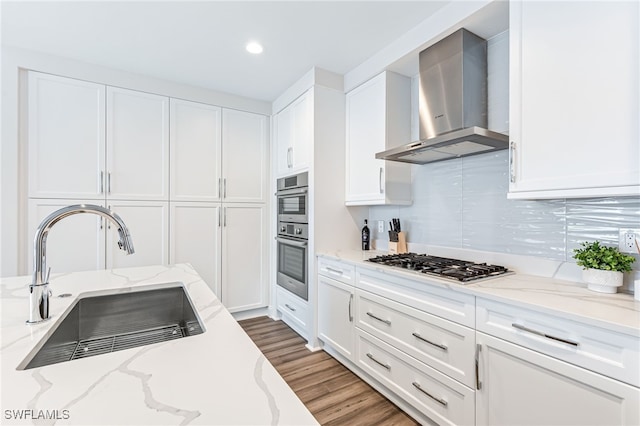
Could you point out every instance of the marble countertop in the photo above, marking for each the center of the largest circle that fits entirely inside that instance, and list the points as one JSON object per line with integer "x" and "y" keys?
{"x": 217, "y": 377}
{"x": 618, "y": 312}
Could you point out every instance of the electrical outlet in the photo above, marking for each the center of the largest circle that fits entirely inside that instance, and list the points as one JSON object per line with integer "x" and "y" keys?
{"x": 629, "y": 240}
{"x": 380, "y": 226}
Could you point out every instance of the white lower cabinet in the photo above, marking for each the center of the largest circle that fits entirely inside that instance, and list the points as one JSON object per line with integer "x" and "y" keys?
{"x": 519, "y": 386}
{"x": 335, "y": 319}
{"x": 195, "y": 238}
{"x": 148, "y": 224}
{"x": 449, "y": 357}
{"x": 442, "y": 399}
{"x": 76, "y": 243}
{"x": 294, "y": 309}
{"x": 446, "y": 346}
{"x": 244, "y": 260}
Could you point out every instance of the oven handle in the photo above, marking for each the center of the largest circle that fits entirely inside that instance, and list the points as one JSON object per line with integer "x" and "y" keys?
{"x": 292, "y": 191}
{"x": 291, "y": 242}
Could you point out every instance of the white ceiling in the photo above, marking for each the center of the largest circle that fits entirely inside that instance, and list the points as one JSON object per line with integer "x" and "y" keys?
{"x": 201, "y": 43}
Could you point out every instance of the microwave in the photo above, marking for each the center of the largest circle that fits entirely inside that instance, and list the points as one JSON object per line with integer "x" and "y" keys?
{"x": 293, "y": 198}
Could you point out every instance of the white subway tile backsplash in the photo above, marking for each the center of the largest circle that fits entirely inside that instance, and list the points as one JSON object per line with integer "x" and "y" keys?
{"x": 463, "y": 204}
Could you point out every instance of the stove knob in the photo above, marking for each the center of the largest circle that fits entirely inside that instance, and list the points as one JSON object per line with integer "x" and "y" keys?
{"x": 282, "y": 229}
{"x": 298, "y": 231}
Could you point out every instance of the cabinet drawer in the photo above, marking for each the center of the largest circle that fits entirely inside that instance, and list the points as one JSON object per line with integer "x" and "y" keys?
{"x": 420, "y": 294}
{"x": 441, "y": 344}
{"x": 607, "y": 352}
{"x": 439, "y": 397}
{"x": 336, "y": 269}
{"x": 294, "y": 310}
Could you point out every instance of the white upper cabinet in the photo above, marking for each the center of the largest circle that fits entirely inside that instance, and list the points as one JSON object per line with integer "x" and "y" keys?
{"x": 574, "y": 109}
{"x": 294, "y": 135}
{"x": 66, "y": 138}
{"x": 378, "y": 118}
{"x": 137, "y": 145}
{"x": 244, "y": 156}
{"x": 196, "y": 153}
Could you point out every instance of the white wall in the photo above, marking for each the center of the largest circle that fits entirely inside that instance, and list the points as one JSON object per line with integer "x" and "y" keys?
{"x": 13, "y": 165}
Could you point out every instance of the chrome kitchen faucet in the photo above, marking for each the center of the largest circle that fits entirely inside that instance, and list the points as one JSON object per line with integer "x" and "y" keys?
{"x": 39, "y": 288}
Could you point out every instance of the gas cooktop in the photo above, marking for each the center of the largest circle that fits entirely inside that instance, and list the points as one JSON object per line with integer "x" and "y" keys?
{"x": 452, "y": 269}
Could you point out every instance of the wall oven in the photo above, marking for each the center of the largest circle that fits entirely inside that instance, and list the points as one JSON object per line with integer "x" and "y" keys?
{"x": 293, "y": 198}
{"x": 293, "y": 234}
{"x": 292, "y": 258}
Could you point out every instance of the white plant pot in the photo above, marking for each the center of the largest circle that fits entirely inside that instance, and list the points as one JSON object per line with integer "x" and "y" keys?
{"x": 602, "y": 281}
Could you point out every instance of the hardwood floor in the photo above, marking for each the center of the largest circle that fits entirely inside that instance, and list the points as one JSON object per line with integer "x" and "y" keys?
{"x": 333, "y": 394}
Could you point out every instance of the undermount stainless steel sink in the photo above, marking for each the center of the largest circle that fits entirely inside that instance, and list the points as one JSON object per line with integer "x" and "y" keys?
{"x": 99, "y": 323}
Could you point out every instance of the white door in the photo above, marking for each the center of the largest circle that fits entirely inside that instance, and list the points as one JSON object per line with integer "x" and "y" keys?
{"x": 195, "y": 151}
{"x": 195, "y": 239}
{"x": 148, "y": 224}
{"x": 283, "y": 136}
{"x": 244, "y": 259}
{"x": 302, "y": 142}
{"x": 523, "y": 387}
{"x": 137, "y": 145}
{"x": 336, "y": 312}
{"x": 66, "y": 138}
{"x": 366, "y": 135}
{"x": 574, "y": 109}
{"x": 244, "y": 156}
{"x": 76, "y": 243}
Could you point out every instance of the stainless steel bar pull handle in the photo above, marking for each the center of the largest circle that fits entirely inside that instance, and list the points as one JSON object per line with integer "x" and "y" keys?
{"x": 378, "y": 318}
{"x": 437, "y": 345}
{"x": 220, "y": 187}
{"x": 350, "y": 301}
{"x": 224, "y": 219}
{"x": 224, "y": 188}
{"x": 102, "y": 181}
{"x": 109, "y": 183}
{"x": 387, "y": 366}
{"x": 478, "y": 383}
{"x": 292, "y": 309}
{"x": 335, "y": 271}
{"x": 380, "y": 183}
{"x": 436, "y": 399}
{"x": 548, "y": 336}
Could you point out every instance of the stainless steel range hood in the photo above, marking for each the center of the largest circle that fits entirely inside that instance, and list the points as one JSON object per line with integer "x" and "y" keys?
{"x": 452, "y": 103}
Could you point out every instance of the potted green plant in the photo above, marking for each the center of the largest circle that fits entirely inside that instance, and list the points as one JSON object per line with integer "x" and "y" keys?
{"x": 603, "y": 266}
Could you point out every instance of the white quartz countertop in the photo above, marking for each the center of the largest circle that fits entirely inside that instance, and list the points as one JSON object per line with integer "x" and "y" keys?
{"x": 217, "y": 377}
{"x": 618, "y": 312}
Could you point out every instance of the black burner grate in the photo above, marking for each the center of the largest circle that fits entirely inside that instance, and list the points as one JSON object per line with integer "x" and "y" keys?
{"x": 454, "y": 269}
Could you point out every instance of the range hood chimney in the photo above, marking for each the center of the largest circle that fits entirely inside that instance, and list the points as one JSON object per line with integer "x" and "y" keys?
{"x": 452, "y": 103}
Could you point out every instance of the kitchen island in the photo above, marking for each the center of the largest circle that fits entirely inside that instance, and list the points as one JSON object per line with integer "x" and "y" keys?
{"x": 217, "y": 377}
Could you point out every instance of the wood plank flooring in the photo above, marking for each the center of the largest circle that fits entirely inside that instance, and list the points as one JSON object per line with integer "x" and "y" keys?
{"x": 331, "y": 392}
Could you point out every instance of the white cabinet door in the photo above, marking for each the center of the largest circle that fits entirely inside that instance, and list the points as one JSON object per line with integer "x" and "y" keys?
{"x": 195, "y": 151}
{"x": 574, "y": 109}
{"x": 137, "y": 145}
{"x": 283, "y": 136}
{"x": 74, "y": 244}
{"x": 336, "y": 312}
{"x": 378, "y": 117}
{"x": 244, "y": 156}
{"x": 195, "y": 238}
{"x": 66, "y": 137}
{"x": 148, "y": 224}
{"x": 294, "y": 135}
{"x": 302, "y": 143}
{"x": 244, "y": 259}
{"x": 523, "y": 387}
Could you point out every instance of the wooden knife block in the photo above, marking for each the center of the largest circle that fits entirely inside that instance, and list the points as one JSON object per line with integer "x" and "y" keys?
{"x": 400, "y": 246}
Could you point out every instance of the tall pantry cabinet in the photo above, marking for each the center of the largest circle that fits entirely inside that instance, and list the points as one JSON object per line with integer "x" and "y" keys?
{"x": 178, "y": 172}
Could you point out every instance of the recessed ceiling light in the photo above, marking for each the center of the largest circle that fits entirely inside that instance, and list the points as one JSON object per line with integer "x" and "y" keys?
{"x": 254, "y": 47}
